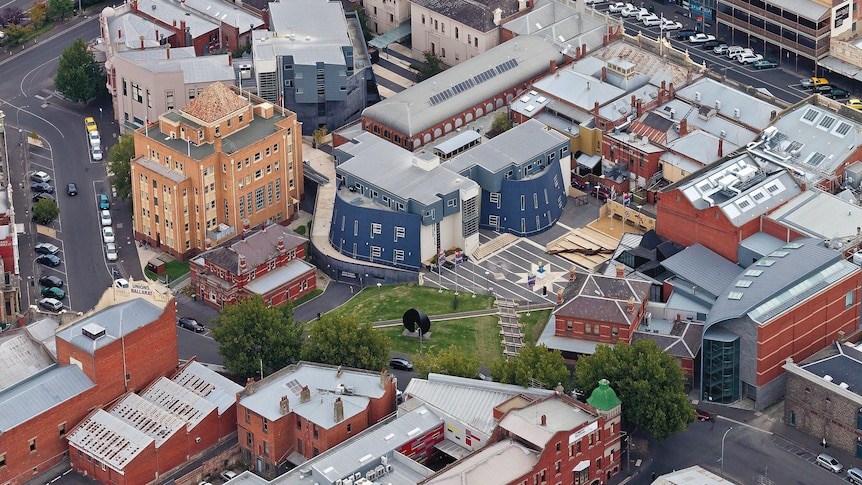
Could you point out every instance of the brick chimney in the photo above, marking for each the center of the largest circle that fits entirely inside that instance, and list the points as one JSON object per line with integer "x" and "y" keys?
{"x": 230, "y": 60}
{"x": 304, "y": 395}
{"x": 683, "y": 127}
{"x": 208, "y": 243}
{"x": 671, "y": 92}
{"x": 544, "y": 420}
{"x": 280, "y": 247}
{"x": 560, "y": 297}
{"x": 604, "y": 73}
{"x": 572, "y": 273}
{"x": 553, "y": 68}
{"x": 621, "y": 271}
{"x": 720, "y": 147}
{"x": 631, "y": 305}
{"x": 142, "y": 41}
{"x": 338, "y": 409}
{"x": 249, "y": 386}
{"x": 168, "y": 53}
{"x": 638, "y": 109}
{"x": 284, "y": 405}
{"x": 242, "y": 265}
{"x": 384, "y": 378}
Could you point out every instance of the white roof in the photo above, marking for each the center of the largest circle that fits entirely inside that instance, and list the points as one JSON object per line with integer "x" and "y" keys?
{"x": 559, "y": 416}
{"x": 805, "y": 213}
{"x": 109, "y": 439}
{"x": 178, "y": 400}
{"x": 209, "y": 384}
{"x": 693, "y": 475}
{"x": 229, "y": 13}
{"x": 147, "y": 417}
{"x": 500, "y": 462}
{"x": 320, "y": 409}
{"x": 278, "y": 277}
{"x": 167, "y": 11}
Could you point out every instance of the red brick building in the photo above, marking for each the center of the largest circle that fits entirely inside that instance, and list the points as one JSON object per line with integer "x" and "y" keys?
{"x": 305, "y": 409}
{"x": 268, "y": 262}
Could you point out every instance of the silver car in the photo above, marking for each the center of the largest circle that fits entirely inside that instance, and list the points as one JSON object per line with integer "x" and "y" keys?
{"x": 829, "y": 463}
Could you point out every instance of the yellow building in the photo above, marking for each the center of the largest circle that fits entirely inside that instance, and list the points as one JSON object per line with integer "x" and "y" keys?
{"x": 225, "y": 162}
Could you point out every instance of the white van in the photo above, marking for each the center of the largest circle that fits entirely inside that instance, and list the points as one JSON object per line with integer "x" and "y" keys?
{"x": 651, "y": 20}
{"x": 735, "y": 50}
{"x": 854, "y": 475}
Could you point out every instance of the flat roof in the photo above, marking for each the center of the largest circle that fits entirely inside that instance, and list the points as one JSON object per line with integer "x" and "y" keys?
{"x": 703, "y": 267}
{"x": 21, "y": 357}
{"x": 500, "y": 462}
{"x": 320, "y": 409}
{"x": 558, "y": 415}
{"x": 319, "y": 37}
{"x": 229, "y": 13}
{"x": 209, "y": 384}
{"x": 117, "y": 320}
{"x": 804, "y": 213}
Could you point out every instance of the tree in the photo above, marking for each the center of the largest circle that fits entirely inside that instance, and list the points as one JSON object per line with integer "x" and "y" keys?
{"x": 11, "y": 15}
{"x": 450, "y": 361}
{"x": 78, "y": 75}
{"x": 39, "y": 13}
{"x": 501, "y": 123}
{"x": 45, "y": 211}
{"x": 367, "y": 33}
{"x": 119, "y": 163}
{"x": 533, "y": 365}
{"x": 250, "y": 335}
{"x": 60, "y": 9}
{"x": 15, "y": 34}
{"x": 342, "y": 341}
{"x": 648, "y": 381}
{"x": 319, "y": 135}
{"x": 433, "y": 66}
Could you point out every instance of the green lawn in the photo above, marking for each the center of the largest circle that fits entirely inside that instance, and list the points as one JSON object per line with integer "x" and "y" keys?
{"x": 390, "y": 302}
{"x": 313, "y": 294}
{"x": 173, "y": 270}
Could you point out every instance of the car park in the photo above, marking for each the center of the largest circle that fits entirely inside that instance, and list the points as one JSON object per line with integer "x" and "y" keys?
{"x": 104, "y": 202}
{"x": 105, "y": 216}
{"x": 97, "y": 153}
{"x": 40, "y": 176}
{"x": 651, "y": 20}
{"x": 854, "y": 103}
{"x": 111, "y": 251}
{"x": 108, "y": 234}
{"x": 53, "y": 292}
{"x": 642, "y": 13}
{"x": 700, "y": 38}
{"x": 720, "y": 49}
{"x": 829, "y": 463}
{"x": 51, "y": 281}
{"x": 191, "y": 324}
{"x": 46, "y": 248}
{"x": 399, "y": 363}
{"x": 813, "y": 82}
{"x": 749, "y": 58}
{"x": 71, "y": 189}
{"x": 42, "y": 187}
{"x": 95, "y": 138}
{"x": 48, "y": 260}
{"x": 667, "y": 24}
{"x": 90, "y": 123}
{"x": 51, "y": 304}
{"x": 764, "y": 64}
{"x": 43, "y": 196}
{"x": 616, "y": 7}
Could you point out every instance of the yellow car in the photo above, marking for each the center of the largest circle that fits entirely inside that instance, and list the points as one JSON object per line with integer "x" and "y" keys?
{"x": 91, "y": 124}
{"x": 855, "y": 103}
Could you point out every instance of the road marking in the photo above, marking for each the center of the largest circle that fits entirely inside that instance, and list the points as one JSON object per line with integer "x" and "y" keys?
{"x": 33, "y": 115}
{"x": 740, "y": 423}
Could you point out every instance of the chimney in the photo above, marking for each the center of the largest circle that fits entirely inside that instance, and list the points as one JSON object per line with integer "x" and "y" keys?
{"x": 338, "y": 372}
{"x": 242, "y": 265}
{"x": 249, "y": 386}
{"x": 522, "y": 5}
{"x": 304, "y": 395}
{"x": 683, "y": 127}
{"x": 384, "y": 378}
{"x": 671, "y": 93}
{"x": 553, "y": 66}
{"x": 596, "y": 113}
{"x": 634, "y": 102}
{"x": 339, "y": 410}
{"x": 638, "y": 109}
{"x": 119, "y": 34}
{"x": 208, "y": 243}
{"x": 678, "y": 318}
{"x": 168, "y": 53}
{"x": 498, "y": 16}
{"x": 175, "y": 23}
{"x": 631, "y": 303}
{"x": 135, "y": 6}
{"x": 560, "y": 390}
{"x": 246, "y": 224}
{"x": 230, "y": 60}
{"x": 560, "y": 297}
{"x": 621, "y": 271}
{"x": 280, "y": 247}
{"x": 604, "y": 74}
{"x": 544, "y": 420}
{"x": 142, "y": 41}
{"x": 720, "y": 147}
{"x": 284, "y": 405}
{"x": 572, "y": 273}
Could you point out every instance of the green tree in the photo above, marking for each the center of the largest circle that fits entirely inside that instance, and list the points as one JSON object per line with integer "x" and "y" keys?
{"x": 343, "y": 341}
{"x": 536, "y": 364}
{"x": 39, "y": 13}
{"x": 433, "y": 66}
{"x": 79, "y": 77}
{"x": 248, "y": 332}
{"x": 501, "y": 123}
{"x": 450, "y": 361}
{"x": 45, "y": 211}
{"x": 60, "y": 9}
{"x": 648, "y": 381}
{"x": 119, "y": 163}
{"x": 15, "y": 34}
{"x": 319, "y": 135}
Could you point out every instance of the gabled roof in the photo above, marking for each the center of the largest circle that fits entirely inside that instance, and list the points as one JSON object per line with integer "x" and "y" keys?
{"x": 39, "y": 393}
{"x": 703, "y": 267}
{"x": 256, "y": 246}
{"x": 209, "y": 384}
{"x": 147, "y": 417}
{"x": 109, "y": 439}
{"x": 476, "y": 14}
{"x": 214, "y": 103}
{"x": 706, "y": 91}
{"x": 117, "y": 321}
{"x": 174, "y": 398}
{"x": 603, "y": 298}
{"x": 21, "y": 357}
{"x": 558, "y": 413}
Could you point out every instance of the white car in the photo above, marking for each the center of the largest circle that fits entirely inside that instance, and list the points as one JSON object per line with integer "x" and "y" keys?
{"x": 651, "y": 20}
{"x": 593, "y": 2}
{"x": 95, "y": 139}
{"x": 111, "y": 251}
{"x": 108, "y": 234}
{"x": 97, "y": 153}
{"x": 618, "y": 6}
{"x": 737, "y": 54}
{"x": 667, "y": 24}
{"x": 227, "y": 475}
{"x": 700, "y": 38}
{"x": 105, "y": 215}
{"x": 643, "y": 13}
{"x": 629, "y": 11}
{"x": 749, "y": 58}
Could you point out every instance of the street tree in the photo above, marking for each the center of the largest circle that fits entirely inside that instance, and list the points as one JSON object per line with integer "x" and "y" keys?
{"x": 340, "y": 340}
{"x": 252, "y": 335}
{"x": 15, "y": 34}
{"x": 45, "y": 211}
{"x": 533, "y": 366}
{"x": 60, "y": 9}
{"x": 501, "y": 123}
{"x": 649, "y": 382}
{"x": 450, "y": 361}
{"x": 11, "y": 15}
{"x": 79, "y": 77}
{"x": 433, "y": 66}
{"x": 119, "y": 163}
{"x": 39, "y": 13}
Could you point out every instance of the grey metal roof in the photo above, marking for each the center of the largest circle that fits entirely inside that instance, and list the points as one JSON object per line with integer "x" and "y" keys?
{"x": 509, "y": 149}
{"x": 279, "y": 276}
{"x": 549, "y": 339}
{"x": 118, "y": 321}
{"x": 229, "y": 13}
{"x": 761, "y": 243}
{"x": 160, "y": 169}
{"x": 804, "y": 213}
{"x": 560, "y": 416}
{"x": 168, "y": 11}
{"x": 845, "y": 366}
{"x": 320, "y": 37}
{"x": 132, "y": 27}
{"x": 457, "y": 141}
{"x": 147, "y": 417}
{"x": 701, "y": 146}
{"x": 804, "y": 8}
{"x": 39, "y": 393}
{"x": 560, "y": 24}
{"x": 411, "y": 112}
{"x": 205, "y": 69}
{"x": 157, "y": 54}
{"x": 788, "y": 277}
{"x": 577, "y": 89}
{"x": 704, "y": 268}
{"x": 392, "y": 169}
{"x": 470, "y": 401}
{"x": 476, "y": 14}
{"x": 501, "y": 462}
{"x": 320, "y": 409}
{"x": 721, "y": 124}
{"x": 209, "y": 384}
{"x": 179, "y": 401}
{"x": 43, "y": 331}
{"x": 21, "y": 357}
{"x": 753, "y": 111}
{"x": 109, "y": 439}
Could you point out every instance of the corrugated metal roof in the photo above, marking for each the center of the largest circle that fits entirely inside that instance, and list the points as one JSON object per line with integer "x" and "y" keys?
{"x": 320, "y": 409}
{"x": 118, "y": 321}
{"x": 559, "y": 416}
{"x": 804, "y": 213}
{"x": 147, "y": 417}
{"x": 209, "y": 384}
{"x": 500, "y": 462}
{"x": 39, "y": 393}
{"x": 21, "y": 357}
{"x": 229, "y": 13}
{"x": 319, "y": 37}
{"x": 109, "y": 439}
{"x": 278, "y": 277}
{"x": 704, "y": 268}
{"x": 179, "y": 401}
{"x": 43, "y": 331}
{"x": 754, "y": 111}
{"x": 132, "y": 27}
{"x": 167, "y": 11}
{"x": 549, "y": 339}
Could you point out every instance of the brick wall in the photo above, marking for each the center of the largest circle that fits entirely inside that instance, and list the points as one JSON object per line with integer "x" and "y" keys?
{"x": 807, "y": 408}
{"x": 137, "y": 472}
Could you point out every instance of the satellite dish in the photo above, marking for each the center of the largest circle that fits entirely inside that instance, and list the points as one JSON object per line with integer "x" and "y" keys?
{"x": 414, "y": 318}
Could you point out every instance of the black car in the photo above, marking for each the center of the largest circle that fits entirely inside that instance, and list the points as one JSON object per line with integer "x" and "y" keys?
{"x": 833, "y": 92}
{"x": 51, "y": 281}
{"x": 48, "y": 260}
{"x": 191, "y": 324}
{"x": 399, "y": 363}
{"x": 42, "y": 187}
{"x": 71, "y": 189}
{"x": 43, "y": 195}
{"x": 711, "y": 44}
{"x": 684, "y": 34}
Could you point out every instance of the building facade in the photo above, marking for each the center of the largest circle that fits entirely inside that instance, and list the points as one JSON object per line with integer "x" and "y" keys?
{"x": 222, "y": 163}
{"x": 386, "y": 15}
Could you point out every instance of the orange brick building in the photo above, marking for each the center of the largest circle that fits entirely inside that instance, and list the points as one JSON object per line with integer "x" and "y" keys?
{"x": 305, "y": 409}
{"x": 222, "y": 163}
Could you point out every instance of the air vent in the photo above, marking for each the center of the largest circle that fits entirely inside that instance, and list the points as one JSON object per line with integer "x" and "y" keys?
{"x": 93, "y": 330}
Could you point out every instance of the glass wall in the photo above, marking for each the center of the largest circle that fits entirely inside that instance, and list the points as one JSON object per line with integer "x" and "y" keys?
{"x": 721, "y": 369}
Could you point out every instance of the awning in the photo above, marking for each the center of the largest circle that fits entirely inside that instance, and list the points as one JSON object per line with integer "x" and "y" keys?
{"x": 296, "y": 458}
{"x": 393, "y": 35}
{"x": 455, "y": 451}
{"x": 582, "y": 466}
{"x": 589, "y": 161}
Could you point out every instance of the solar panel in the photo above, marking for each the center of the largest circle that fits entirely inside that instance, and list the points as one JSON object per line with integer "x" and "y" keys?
{"x": 294, "y": 386}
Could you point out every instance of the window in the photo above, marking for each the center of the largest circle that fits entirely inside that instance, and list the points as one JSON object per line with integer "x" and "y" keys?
{"x": 136, "y": 93}
{"x": 298, "y": 423}
{"x": 125, "y": 92}
{"x": 62, "y": 429}
{"x": 568, "y": 326}
{"x": 399, "y": 254}
{"x": 375, "y": 251}
{"x": 614, "y": 331}
{"x": 399, "y": 233}
{"x": 849, "y": 298}
{"x": 169, "y": 99}
{"x": 2, "y": 460}
{"x": 588, "y": 328}
{"x": 247, "y": 416}
{"x": 32, "y": 445}
{"x": 265, "y": 448}
{"x": 376, "y": 228}
{"x": 258, "y": 199}
{"x": 299, "y": 446}
{"x": 191, "y": 94}
{"x": 314, "y": 430}
{"x": 315, "y": 451}
{"x": 456, "y": 32}
{"x": 348, "y": 427}
{"x": 452, "y": 202}
{"x": 249, "y": 439}
{"x": 149, "y": 99}
{"x": 494, "y": 198}
{"x": 265, "y": 425}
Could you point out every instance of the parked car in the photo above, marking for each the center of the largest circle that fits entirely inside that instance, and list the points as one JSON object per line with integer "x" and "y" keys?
{"x": 749, "y": 58}
{"x": 710, "y": 44}
{"x": 42, "y": 187}
{"x": 190, "y": 324}
{"x": 854, "y": 103}
{"x": 48, "y": 260}
{"x": 227, "y": 475}
{"x": 700, "y": 38}
{"x": 651, "y": 20}
{"x": 854, "y": 475}
{"x": 104, "y": 202}
{"x": 720, "y": 49}
{"x": 643, "y": 13}
{"x": 40, "y": 176}
{"x": 51, "y": 281}
{"x": 95, "y": 138}
{"x": 764, "y": 64}
{"x": 629, "y": 11}
{"x": 735, "y": 54}
{"x": 90, "y": 123}
{"x": 702, "y": 415}
{"x": 111, "y": 251}
{"x": 53, "y": 292}
{"x": 667, "y": 24}
{"x": 832, "y": 91}
{"x": 813, "y": 82}
{"x": 45, "y": 196}
{"x": 829, "y": 463}
{"x": 616, "y": 7}
{"x": 684, "y": 34}
{"x": 399, "y": 363}
{"x": 51, "y": 304}
{"x": 71, "y": 189}
{"x": 97, "y": 153}
{"x": 108, "y": 234}
{"x": 105, "y": 216}
{"x": 46, "y": 248}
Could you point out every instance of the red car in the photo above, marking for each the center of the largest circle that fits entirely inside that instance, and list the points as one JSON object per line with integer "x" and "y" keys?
{"x": 702, "y": 415}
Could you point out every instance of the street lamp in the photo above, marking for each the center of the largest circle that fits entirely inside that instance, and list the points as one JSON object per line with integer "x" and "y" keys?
{"x": 722, "y": 449}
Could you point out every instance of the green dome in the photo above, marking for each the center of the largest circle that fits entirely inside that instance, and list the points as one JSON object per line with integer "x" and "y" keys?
{"x": 603, "y": 397}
